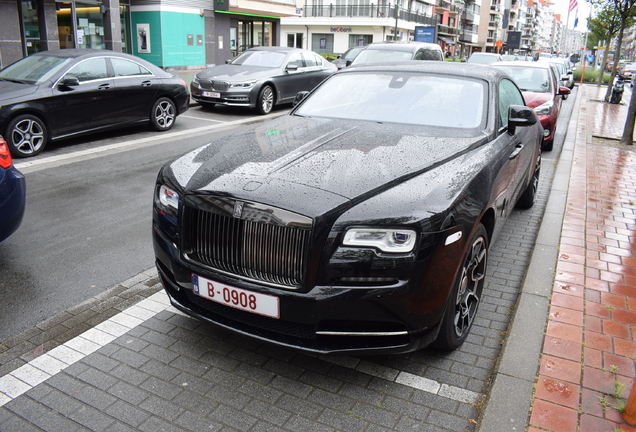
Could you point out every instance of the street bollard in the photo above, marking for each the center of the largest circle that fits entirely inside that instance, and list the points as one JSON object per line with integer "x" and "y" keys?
{"x": 629, "y": 415}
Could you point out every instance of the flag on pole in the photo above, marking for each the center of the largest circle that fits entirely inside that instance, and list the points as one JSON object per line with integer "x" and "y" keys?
{"x": 576, "y": 17}
{"x": 573, "y": 4}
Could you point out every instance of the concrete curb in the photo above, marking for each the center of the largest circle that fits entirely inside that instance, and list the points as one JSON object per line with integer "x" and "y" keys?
{"x": 508, "y": 405}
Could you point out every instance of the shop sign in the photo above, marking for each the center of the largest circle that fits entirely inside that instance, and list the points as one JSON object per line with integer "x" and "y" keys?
{"x": 341, "y": 29}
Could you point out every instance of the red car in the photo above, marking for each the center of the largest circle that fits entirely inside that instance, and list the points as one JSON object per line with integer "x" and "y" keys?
{"x": 541, "y": 90}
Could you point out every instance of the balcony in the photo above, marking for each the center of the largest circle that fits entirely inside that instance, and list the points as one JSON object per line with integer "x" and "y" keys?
{"x": 446, "y": 30}
{"x": 367, "y": 11}
{"x": 468, "y": 36}
{"x": 443, "y": 4}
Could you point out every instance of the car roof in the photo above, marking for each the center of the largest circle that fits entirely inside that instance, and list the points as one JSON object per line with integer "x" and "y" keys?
{"x": 276, "y": 49}
{"x": 401, "y": 46}
{"x": 537, "y": 64}
{"x": 442, "y": 68}
{"x": 79, "y": 52}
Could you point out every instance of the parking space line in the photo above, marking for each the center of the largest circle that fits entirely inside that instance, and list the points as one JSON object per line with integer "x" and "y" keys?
{"x": 47, "y": 365}
{"x": 201, "y": 118}
{"x": 69, "y": 157}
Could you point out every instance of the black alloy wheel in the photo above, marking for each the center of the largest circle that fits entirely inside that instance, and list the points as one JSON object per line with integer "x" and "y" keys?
{"x": 465, "y": 296}
{"x": 265, "y": 101}
{"x": 529, "y": 195}
{"x": 163, "y": 114}
{"x": 26, "y": 136}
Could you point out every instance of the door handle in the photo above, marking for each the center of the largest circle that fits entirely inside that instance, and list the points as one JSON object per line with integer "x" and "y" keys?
{"x": 104, "y": 87}
{"x": 146, "y": 83}
{"x": 516, "y": 151}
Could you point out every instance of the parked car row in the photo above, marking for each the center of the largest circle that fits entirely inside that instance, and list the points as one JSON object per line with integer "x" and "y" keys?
{"x": 363, "y": 224}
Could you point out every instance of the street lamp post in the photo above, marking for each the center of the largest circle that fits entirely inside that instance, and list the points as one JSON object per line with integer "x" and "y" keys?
{"x": 397, "y": 7}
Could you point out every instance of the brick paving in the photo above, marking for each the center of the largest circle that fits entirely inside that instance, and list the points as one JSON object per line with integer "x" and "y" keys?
{"x": 587, "y": 366}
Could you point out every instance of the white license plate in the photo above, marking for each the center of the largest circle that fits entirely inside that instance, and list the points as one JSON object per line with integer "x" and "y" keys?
{"x": 248, "y": 301}
{"x": 212, "y": 94}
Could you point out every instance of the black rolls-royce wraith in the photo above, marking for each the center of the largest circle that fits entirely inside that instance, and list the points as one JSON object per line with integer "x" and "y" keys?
{"x": 357, "y": 224}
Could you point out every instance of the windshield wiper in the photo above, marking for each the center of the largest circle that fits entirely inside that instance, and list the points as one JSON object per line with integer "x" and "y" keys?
{"x": 13, "y": 80}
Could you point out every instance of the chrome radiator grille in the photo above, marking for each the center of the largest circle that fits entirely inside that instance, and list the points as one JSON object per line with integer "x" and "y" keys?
{"x": 258, "y": 251}
{"x": 214, "y": 85}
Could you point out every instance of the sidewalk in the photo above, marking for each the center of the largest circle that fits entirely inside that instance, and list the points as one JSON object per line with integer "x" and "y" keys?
{"x": 587, "y": 363}
{"x": 586, "y": 353}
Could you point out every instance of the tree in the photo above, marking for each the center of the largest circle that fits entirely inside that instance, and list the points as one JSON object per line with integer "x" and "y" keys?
{"x": 626, "y": 10}
{"x": 604, "y": 28}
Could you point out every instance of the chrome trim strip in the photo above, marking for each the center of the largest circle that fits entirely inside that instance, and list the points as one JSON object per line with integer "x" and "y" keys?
{"x": 334, "y": 333}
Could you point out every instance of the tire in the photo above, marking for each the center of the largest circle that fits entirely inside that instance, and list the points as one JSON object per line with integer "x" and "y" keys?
{"x": 548, "y": 146}
{"x": 462, "y": 304}
{"x": 26, "y": 136}
{"x": 163, "y": 114}
{"x": 266, "y": 100}
{"x": 527, "y": 198}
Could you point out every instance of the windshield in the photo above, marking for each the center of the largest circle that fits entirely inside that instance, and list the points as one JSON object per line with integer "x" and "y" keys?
{"x": 400, "y": 97}
{"x": 34, "y": 69}
{"x": 270, "y": 59}
{"x": 352, "y": 53}
{"x": 528, "y": 78}
{"x": 379, "y": 56}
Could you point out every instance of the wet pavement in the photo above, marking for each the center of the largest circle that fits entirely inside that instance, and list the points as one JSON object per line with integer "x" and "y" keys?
{"x": 560, "y": 276}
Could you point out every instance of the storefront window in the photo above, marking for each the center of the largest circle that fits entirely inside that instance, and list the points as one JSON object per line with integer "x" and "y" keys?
{"x": 322, "y": 43}
{"x": 30, "y": 27}
{"x": 65, "y": 25}
{"x": 90, "y": 26}
{"x": 124, "y": 18}
{"x": 359, "y": 40}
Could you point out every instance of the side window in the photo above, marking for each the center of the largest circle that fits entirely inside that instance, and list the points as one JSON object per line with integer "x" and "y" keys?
{"x": 310, "y": 60}
{"x": 295, "y": 60}
{"x": 90, "y": 70}
{"x": 431, "y": 54}
{"x": 123, "y": 67}
{"x": 509, "y": 94}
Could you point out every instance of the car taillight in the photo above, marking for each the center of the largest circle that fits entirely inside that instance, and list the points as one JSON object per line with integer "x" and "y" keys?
{"x": 182, "y": 81}
{"x": 5, "y": 154}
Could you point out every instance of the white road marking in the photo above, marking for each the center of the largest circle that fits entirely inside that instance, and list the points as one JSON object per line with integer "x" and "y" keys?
{"x": 63, "y": 159}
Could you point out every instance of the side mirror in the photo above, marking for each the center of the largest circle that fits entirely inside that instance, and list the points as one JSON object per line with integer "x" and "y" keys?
{"x": 69, "y": 81}
{"x": 520, "y": 116}
{"x": 563, "y": 91}
{"x": 292, "y": 67}
{"x": 349, "y": 62}
{"x": 300, "y": 96}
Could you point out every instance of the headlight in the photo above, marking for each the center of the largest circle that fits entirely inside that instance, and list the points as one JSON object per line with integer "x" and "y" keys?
{"x": 168, "y": 197}
{"x": 387, "y": 240}
{"x": 545, "y": 109}
{"x": 195, "y": 80}
{"x": 244, "y": 84}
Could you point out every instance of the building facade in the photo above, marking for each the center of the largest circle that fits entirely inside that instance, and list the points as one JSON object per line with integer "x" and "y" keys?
{"x": 168, "y": 33}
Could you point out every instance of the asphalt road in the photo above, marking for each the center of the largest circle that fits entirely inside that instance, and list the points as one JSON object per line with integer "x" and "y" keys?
{"x": 88, "y": 217}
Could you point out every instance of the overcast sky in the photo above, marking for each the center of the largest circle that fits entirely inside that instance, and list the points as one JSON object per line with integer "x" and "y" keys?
{"x": 561, "y": 7}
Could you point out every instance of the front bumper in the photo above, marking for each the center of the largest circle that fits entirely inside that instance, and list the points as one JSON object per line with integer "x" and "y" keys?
{"x": 231, "y": 97}
{"x": 326, "y": 320}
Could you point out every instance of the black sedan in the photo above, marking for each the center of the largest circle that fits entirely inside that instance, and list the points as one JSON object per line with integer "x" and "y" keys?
{"x": 58, "y": 94}
{"x": 352, "y": 225}
{"x": 261, "y": 78}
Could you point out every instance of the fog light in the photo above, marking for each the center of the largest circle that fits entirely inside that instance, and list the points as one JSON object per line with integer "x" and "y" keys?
{"x": 546, "y": 132}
